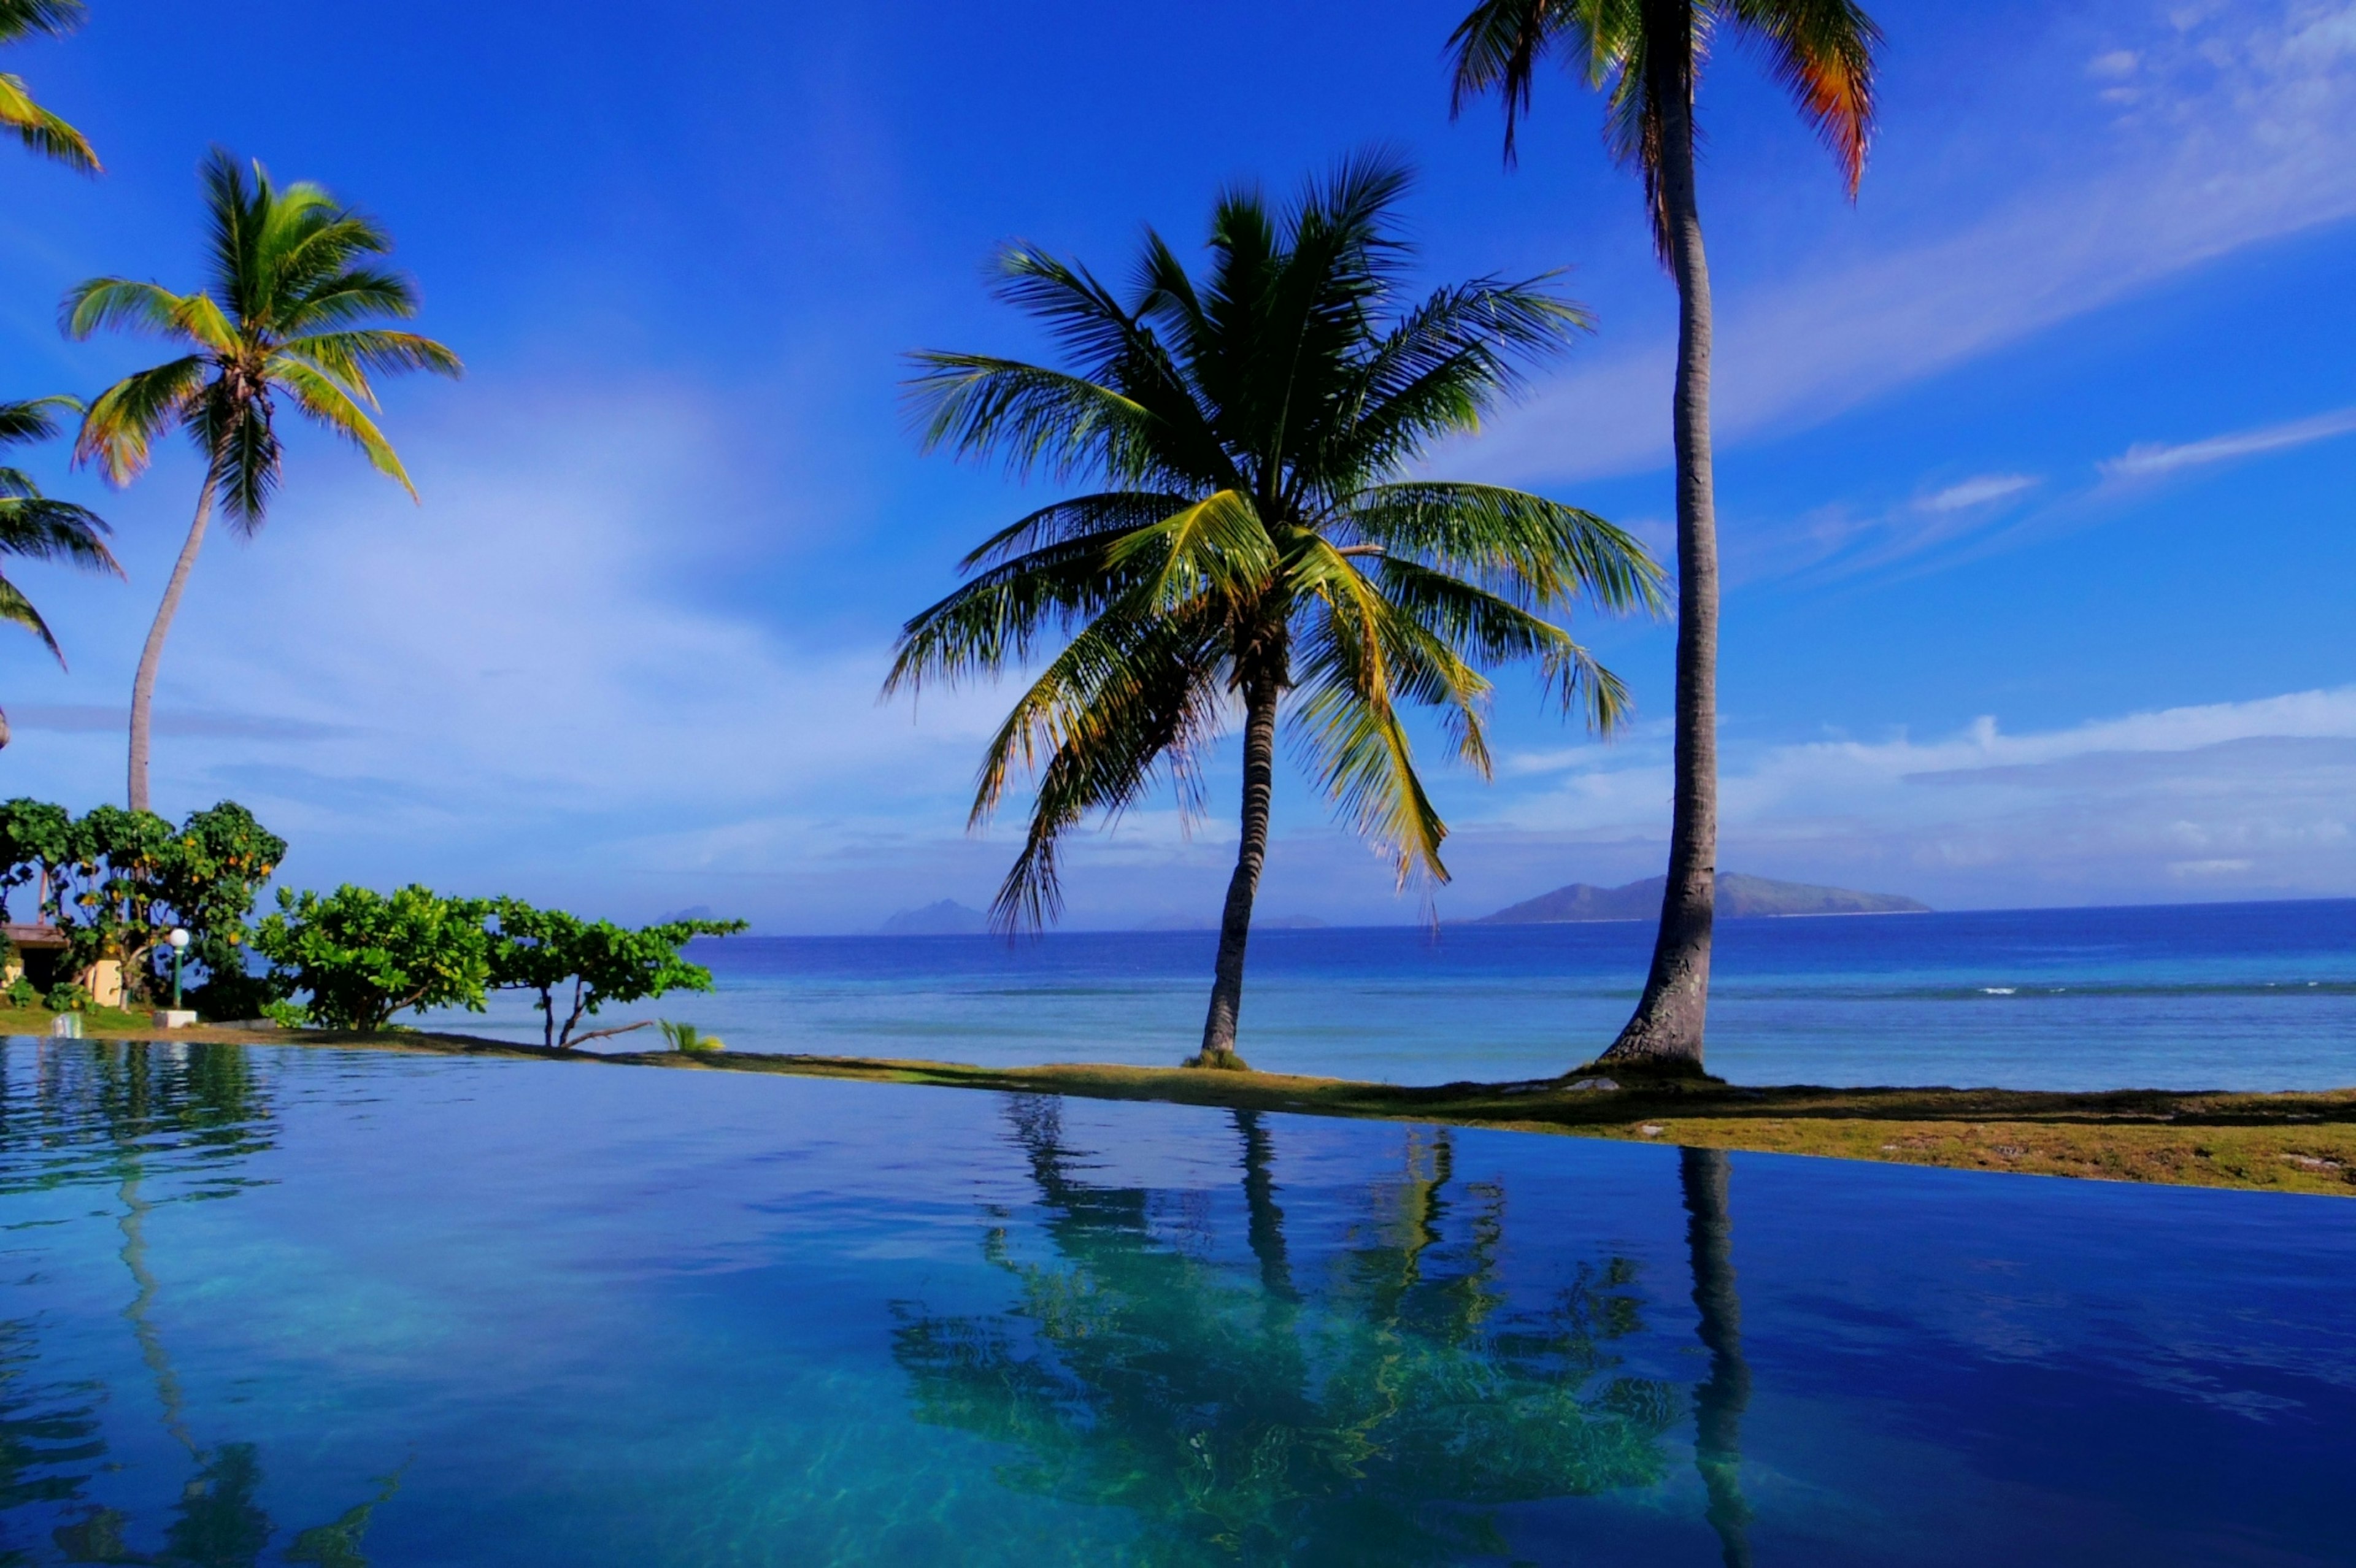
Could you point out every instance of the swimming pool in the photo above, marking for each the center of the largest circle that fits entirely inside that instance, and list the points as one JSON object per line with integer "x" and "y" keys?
{"x": 290, "y": 1304}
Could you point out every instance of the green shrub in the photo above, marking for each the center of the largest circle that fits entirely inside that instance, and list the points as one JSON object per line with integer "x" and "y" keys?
{"x": 687, "y": 1037}
{"x": 22, "y": 993}
{"x": 66, "y": 997}
{"x": 286, "y": 1015}
{"x": 361, "y": 956}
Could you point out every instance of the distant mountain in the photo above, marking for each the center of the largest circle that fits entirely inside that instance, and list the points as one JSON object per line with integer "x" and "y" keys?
{"x": 1739, "y": 897}
{"x": 946, "y": 918}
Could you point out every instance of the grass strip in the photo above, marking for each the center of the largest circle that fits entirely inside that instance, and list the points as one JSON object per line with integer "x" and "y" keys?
{"x": 2281, "y": 1143}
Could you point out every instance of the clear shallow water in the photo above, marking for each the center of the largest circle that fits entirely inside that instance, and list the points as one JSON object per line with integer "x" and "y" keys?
{"x": 2188, "y": 997}
{"x": 269, "y": 1306}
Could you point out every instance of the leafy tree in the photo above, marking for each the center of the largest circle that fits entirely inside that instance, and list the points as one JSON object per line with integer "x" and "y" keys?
{"x": 582, "y": 966}
{"x": 38, "y": 528}
{"x": 362, "y": 956}
{"x": 116, "y": 882}
{"x": 1253, "y": 541}
{"x": 293, "y": 285}
{"x": 39, "y": 129}
{"x": 1646, "y": 54}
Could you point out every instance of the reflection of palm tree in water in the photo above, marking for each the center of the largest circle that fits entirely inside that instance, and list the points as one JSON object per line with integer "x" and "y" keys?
{"x": 1369, "y": 1405}
{"x": 1718, "y": 1404}
{"x": 210, "y": 1100}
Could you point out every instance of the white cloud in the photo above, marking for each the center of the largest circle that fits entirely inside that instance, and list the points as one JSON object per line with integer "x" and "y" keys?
{"x": 2239, "y": 128}
{"x": 1974, "y": 493}
{"x": 2150, "y": 459}
{"x": 2248, "y": 798}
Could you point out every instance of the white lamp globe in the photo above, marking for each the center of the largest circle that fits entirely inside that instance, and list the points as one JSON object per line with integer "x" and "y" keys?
{"x": 179, "y": 937}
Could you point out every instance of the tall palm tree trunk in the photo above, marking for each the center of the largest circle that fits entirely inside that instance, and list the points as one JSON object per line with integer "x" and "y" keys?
{"x": 1666, "y": 1030}
{"x": 1260, "y": 696}
{"x": 143, "y": 685}
{"x": 1720, "y": 1402}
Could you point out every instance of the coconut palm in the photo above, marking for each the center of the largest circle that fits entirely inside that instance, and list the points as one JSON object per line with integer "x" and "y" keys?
{"x": 41, "y": 131}
{"x": 293, "y": 290}
{"x": 1646, "y": 54}
{"x": 1254, "y": 543}
{"x": 38, "y": 529}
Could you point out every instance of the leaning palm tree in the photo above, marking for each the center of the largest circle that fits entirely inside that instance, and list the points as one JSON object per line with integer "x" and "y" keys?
{"x": 38, "y": 529}
{"x": 39, "y": 129}
{"x": 292, "y": 290}
{"x": 1254, "y": 540}
{"x": 1646, "y": 54}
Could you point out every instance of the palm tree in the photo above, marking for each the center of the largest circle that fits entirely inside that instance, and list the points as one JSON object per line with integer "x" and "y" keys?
{"x": 292, "y": 290}
{"x": 41, "y": 131}
{"x": 38, "y": 529}
{"x": 1646, "y": 54}
{"x": 1255, "y": 541}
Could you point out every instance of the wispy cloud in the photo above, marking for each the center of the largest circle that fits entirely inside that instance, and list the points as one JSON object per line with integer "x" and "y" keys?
{"x": 2150, "y": 459}
{"x": 70, "y": 717}
{"x": 1971, "y": 494}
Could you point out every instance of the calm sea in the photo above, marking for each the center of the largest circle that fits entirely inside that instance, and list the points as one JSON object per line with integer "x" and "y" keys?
{"x": 2257, "y": 996}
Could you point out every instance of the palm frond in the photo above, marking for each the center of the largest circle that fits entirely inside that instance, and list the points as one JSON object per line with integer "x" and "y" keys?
{"x": 1218, "y": 548}
{"x": 16, "y": 607}
{"x": 1444, "y": 365}
{"x": 326, "y": 402}
{"x": 36, "y": 527}
{"x": 1538, "y": 550}
{"x": 996, "y": 619}
{"x": 118, "y": 431}
{"x": 245, "y": 455}
{"x": 34, "y": 419}
{"x": 1125, "y": 701}
{"x": 40, "y": 131}
{"x": 1111, "y": 513}
{"x": 349, "y": 357}
{"x": 126, "y": 304}
{"x": 1037, "y": 418}
{"x": 1823, "y": 51}
{"x": 357, "y": 294}
{"x": 49, "y": 18}
{"x": 1499, "y": 44}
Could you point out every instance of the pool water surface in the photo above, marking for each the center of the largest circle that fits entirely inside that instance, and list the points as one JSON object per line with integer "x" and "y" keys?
{"x": 272, "y": 1304}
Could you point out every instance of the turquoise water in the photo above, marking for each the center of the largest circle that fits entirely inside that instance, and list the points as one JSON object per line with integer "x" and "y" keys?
{"x": 278, "y": 1305}
{"x": 2189, "y": 997}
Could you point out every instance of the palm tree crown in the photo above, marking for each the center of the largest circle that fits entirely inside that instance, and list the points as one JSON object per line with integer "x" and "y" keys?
{"x": 39, "y": 129}
{"x": 1645, "y": 56}
{"x": 290, "y": 288}
{"x": 1253, "y": 535}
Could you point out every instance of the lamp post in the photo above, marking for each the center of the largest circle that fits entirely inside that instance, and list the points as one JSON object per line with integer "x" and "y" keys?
{"x": 179, "y": 941}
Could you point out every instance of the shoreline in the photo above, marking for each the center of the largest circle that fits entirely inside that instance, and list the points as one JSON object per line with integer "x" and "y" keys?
{"x": 2301, "y": 1141}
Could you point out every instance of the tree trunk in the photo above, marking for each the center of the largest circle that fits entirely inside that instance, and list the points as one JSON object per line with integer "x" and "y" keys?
{"x": 1260, "y": 696}
{"x": 143, "y": 686}
{"x": 1666, "y": 1033}
{"x": 1718, "y": 1404}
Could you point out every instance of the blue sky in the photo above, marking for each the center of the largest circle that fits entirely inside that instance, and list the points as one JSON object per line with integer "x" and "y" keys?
{"x": 2036, "y": 466}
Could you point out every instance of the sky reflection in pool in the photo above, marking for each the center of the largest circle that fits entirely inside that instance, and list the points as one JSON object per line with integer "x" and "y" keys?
{"x": 336, "y": 1307}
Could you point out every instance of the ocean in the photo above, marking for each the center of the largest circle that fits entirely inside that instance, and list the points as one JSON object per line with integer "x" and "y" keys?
{"x": 2250, "y": 996}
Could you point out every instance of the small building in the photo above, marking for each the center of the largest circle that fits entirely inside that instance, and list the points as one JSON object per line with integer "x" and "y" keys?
{"x": 38, "y": 953}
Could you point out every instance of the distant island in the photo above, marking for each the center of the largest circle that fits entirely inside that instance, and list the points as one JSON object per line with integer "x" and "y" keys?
{"x": 946, "y": 918}
{"x": 1739, "y": 897}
